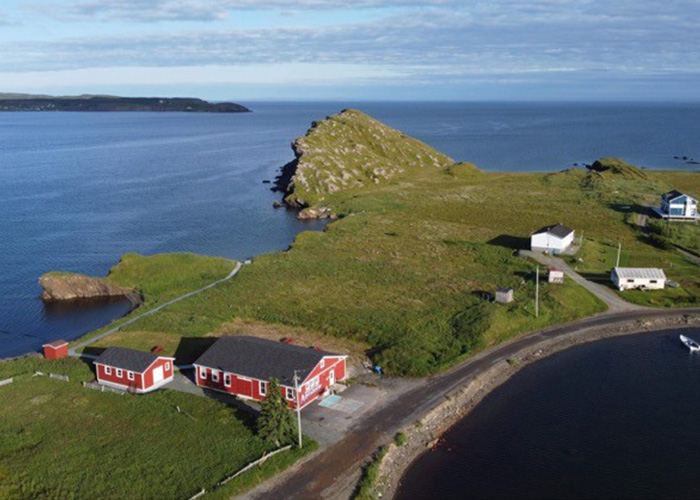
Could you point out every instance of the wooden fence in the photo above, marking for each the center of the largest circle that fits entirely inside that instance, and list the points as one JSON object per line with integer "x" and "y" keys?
{"x": 102, "y": 388}
{"x": 56, "y": 376}
{"x": 259, "y": 461}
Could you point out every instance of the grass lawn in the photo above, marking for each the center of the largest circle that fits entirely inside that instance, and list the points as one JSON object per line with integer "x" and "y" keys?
{"x": 60, "y": 440}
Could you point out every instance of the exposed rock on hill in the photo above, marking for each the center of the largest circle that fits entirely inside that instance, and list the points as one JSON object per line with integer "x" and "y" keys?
{"x": 349, "y": 150}
{"x": 67, "y": 286}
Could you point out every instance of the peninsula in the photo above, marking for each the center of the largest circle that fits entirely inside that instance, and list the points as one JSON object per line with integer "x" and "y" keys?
{"x": 31, "y": 102}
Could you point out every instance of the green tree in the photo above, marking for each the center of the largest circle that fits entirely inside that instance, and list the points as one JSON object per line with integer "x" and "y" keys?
{"x": 276, "y": 422}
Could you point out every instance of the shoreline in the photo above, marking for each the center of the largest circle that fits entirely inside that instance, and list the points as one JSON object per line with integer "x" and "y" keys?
{"x": 425, "y": 432}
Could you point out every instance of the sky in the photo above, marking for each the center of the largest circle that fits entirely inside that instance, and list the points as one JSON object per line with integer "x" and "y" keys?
{"x": 365, "y": 49}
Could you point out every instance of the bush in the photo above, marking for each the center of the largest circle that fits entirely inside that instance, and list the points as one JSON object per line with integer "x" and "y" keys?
{"x": 400, "y": 439}
{"x": 370, "y": 476}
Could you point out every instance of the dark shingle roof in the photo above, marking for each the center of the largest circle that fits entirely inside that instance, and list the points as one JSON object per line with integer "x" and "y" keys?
{"x": 261, "y": 359}
{"x": 557, "y": 230}
{"x": 127, "y": 359}
{"x": 672, "y": 195}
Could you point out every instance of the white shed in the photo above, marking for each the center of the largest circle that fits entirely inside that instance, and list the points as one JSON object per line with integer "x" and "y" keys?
{"x": 638, "y": 278}
{"x": 553, "y": 239}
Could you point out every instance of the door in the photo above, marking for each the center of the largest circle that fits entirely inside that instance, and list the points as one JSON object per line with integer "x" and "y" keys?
{"x": 331, "y": 377}
{"x": 157, "y": 374}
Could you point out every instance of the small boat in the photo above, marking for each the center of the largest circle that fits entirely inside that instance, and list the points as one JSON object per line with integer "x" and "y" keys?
{"x": 690, "y": 343}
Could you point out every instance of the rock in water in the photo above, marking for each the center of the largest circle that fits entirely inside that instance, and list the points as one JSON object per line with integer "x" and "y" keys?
{"x": 65, "y": 286}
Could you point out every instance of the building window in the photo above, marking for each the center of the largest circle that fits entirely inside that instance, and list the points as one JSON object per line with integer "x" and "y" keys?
{"x": 167, "y": 365}
{"x": 120, "y": 372}
{"x": 227, "y": 379}
{"x": 130, "y": 375}
{"x": 323, "y": 363}
{"x": 108, "y": 370}
{"x": 290, "y": 394}
{"x": 630, "y": 281}
{"x": 653, "y": 281}
{"x": 312, "y": 384}
{"x": 263, "y": 388}
{"x": 203, "y": 373}
{"x": 215, "y": 376}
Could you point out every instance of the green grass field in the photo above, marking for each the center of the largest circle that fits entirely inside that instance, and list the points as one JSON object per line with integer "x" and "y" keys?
{"x": 60, "y": 440}
{"x": 410, "y": 257}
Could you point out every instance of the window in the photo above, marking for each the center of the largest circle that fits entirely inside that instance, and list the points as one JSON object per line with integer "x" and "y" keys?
{"x": 120, "y": 372}
{"x": 323, "y": 363}
{"x": 108, "y": 370}
{"x": 203, "y": 373}
{"x": 227, "y": 379}
{"x": 653, "y": 281}
{"x": 630, "y": 281}
{"x": 131, "y": 375}
{"x": 290, "y": 394}
{"x": 214, "y": 376}
{"x": 263, "y": 388}
{"x": 167, "y": 365}
{"x": 312, "y": 384}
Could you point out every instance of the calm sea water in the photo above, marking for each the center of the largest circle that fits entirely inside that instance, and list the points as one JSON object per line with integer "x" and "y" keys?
{"x": 612, "y": 419}
{"x": 77, "y": 190}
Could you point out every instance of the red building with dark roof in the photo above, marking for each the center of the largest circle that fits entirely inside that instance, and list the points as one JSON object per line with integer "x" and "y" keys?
{"x": 244, "y": 366}
{"x": 132, "y": 370}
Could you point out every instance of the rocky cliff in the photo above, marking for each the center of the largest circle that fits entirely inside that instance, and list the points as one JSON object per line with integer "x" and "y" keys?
{"x": 67, "y": 286}
{"x": 349, "y": 150}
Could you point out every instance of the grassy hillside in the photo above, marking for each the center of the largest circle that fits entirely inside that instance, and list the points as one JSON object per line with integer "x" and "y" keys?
{"x": 60, "y": 440}
{"x": 405, "y": 268}
{"x": 351, "y": 150}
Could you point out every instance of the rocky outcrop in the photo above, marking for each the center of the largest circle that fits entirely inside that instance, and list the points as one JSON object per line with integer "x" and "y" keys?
{"x": 349, "y": 151}
{"x": 65, "y": 286}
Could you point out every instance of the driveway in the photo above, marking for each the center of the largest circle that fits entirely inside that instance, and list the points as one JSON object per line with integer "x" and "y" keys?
{"x": 615, "y": 303}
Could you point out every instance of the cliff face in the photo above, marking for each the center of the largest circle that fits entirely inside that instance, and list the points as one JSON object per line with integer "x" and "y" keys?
{"x": 350, "y": 150}
{"x": 64, "y": 286}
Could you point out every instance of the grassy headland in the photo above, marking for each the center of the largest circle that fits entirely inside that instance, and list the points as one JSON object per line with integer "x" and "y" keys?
{"x": 404, "y": 269}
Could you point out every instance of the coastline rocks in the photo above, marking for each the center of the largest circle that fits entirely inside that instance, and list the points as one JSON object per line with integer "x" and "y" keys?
{"x": 65, "y": 287}
{"x": 311, "y": 213}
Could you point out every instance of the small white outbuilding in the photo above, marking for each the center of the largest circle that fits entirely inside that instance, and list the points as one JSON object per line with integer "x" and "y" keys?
{"x": 638, "y": 278}
{"x": 553, "y": 239}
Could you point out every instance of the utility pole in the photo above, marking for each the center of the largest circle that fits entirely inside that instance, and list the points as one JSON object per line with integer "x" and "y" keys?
{"x": 619, "y": 251}
{"x": 298, "y": 405}
{"x": 537, "y": 292}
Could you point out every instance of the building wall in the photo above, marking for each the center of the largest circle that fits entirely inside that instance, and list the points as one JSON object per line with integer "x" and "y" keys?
{"x": 545, "y": 241}
{"x": 252, "y": 388}
{"x": 637, "y": 283}
{"x": 56, "y": 352}
{"x": 141, "y": 381}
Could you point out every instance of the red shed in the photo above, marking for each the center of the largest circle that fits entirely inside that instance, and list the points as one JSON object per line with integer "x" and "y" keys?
{"x": 133, "y": 370}
{"x": 244, "y": 365}
{"x": 57, "y": 349}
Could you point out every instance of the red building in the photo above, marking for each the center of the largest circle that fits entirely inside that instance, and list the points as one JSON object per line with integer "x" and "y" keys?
{"x": 243, "y": 366}
{"x": 132, "y": 370}
{"x": 57, "y": 349}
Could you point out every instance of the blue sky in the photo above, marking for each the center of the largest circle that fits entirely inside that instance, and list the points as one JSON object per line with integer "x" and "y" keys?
{"x": 366, "y": 49}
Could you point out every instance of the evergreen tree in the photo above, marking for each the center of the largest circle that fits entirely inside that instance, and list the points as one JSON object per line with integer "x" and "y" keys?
{"x": 276, "y": 422}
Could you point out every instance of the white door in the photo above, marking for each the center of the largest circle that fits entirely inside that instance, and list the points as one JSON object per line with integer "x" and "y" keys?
{"x": 331, "y": 377}
{"x": 157, "y": 374}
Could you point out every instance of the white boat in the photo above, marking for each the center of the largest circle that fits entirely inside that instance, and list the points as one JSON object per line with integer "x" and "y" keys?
{"x": 690, "y": 343}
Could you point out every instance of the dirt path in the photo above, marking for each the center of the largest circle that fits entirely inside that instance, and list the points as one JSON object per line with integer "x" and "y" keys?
{"x": 332, "y": 472}
{"x": 615, "y": 303}
{"x": 74, "y": 350}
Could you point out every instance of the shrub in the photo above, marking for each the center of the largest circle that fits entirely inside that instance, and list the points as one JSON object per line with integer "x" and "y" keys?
{"x": 400, "y": 439}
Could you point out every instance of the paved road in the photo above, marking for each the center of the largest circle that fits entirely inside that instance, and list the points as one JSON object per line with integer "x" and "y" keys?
{"x": 615, "y": 303}
{"x": 329, "y": 473}
{"x": 74, "y": 350}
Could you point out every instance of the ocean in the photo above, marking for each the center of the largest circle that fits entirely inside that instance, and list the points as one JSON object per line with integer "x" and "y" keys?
{"x": 617, "y": 418}
{"x": 77, "y": 190}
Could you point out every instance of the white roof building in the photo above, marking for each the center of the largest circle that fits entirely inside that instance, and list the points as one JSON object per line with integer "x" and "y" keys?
{"x": 638, "y": 278}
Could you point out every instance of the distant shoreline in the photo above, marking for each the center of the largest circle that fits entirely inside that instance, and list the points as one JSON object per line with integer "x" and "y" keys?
{"x": 92, "y": 103}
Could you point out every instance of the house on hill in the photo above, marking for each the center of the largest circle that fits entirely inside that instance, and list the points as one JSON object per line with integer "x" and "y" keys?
{"x": 553, "y": 239}
{"x": 133, "y": 370}
{"x": 638, "y": 278}
{"x": 243, "y": 366}
{"x": 677, "y": 205}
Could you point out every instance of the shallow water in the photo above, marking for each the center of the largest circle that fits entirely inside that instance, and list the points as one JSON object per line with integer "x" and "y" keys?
{"x": 77, "y": 190}
{"x": 616, "y": 418}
